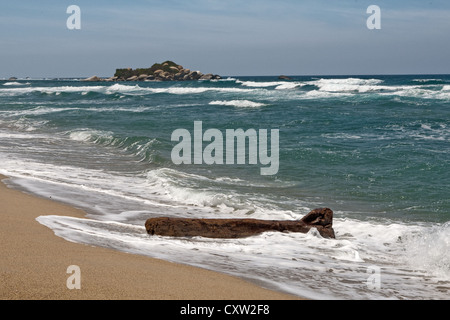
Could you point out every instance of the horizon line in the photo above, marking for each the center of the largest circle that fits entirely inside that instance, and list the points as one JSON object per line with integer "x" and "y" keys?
{"x": 232, "y": 76}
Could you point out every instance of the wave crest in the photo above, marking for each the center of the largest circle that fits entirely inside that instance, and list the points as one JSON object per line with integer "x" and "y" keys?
{"x": 16, "y": 83}
{"x": 238, "y": 103}
{"x": 141, "y": 147}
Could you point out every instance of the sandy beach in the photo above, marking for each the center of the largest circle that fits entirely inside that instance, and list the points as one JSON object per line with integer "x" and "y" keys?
{"x": 34, "y": 262}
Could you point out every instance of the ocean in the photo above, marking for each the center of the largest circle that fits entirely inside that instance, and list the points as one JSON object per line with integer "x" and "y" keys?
{"x": 375, "y": 149}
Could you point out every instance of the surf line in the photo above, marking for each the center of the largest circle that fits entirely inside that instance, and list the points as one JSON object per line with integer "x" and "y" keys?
{"x": 231, "y": 151}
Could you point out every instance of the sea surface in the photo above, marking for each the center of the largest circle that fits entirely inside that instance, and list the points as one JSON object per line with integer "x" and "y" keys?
{"x": 374, "y": 149}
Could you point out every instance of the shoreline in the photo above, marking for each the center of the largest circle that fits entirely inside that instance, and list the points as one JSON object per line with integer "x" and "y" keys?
{"x": 34, "y": 263}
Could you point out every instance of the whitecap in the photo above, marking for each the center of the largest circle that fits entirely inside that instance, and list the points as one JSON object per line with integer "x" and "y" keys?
{"x": 261, "y": 84}
{"x": 289, "y": 85}
{"x": 39, "y": 110}
{"x": 427, "y": 80}
{"x": 238, "y": 103}
{"x": 16, "y": 84}
{"x": 349, "y": 81}
{"x": 187, "y": 90}
{"x": 349, "y": 85}
{"x": 317, "y": 94}
{"x": 50, "y": 90}
{"x": 420, "y": 92}
{"x": 428, "y": 250}
{"x": 120, "y": 88}
{"x": 89, "y": 135}
{"x": 279, "y": 85}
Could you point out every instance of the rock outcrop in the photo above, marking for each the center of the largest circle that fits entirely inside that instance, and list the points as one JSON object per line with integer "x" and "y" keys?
{"x": 166, "y": 71}
{"x": 321, "y": 219}
{"x": 92, "y": 79}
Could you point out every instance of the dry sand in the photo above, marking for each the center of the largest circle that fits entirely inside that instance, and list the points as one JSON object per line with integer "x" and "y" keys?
{"x": 34, "y": 262}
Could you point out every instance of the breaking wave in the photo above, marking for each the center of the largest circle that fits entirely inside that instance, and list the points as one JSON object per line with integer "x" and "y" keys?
{"x": 238, "y": 103}
{"x": 118, "y": 88}
{"x": 141, "y": 147}
{"x": 16, "y": 84}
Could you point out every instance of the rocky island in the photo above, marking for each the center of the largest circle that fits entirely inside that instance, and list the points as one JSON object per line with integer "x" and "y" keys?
{"x": 166, "y": 71}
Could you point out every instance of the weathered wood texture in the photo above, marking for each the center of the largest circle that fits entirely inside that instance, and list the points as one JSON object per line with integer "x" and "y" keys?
{"x": 321, "y": 219}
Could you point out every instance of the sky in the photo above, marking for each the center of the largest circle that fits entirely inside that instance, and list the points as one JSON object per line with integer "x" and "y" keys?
{"x": 225, "y": 37}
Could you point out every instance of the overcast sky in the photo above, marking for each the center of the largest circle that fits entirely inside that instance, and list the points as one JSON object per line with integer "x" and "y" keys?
{"x": 227, "y": 37}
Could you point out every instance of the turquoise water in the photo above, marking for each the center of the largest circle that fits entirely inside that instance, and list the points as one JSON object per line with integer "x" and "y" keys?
{"x": 375, "y": 149}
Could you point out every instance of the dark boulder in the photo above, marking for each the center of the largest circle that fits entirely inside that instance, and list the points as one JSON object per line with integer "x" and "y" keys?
{"x": 208, "y": 76}
{"x": 167, "y": 71}
{"x": 92, "y": 79}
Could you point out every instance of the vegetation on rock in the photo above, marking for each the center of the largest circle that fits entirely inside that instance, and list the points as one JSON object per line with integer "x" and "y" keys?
{"x": 166, "y": 71}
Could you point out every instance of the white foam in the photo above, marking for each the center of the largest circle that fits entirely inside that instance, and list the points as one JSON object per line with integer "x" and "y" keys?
{"x": 238, "y": 103}
{"x": 225, "y": 79}
{"x": 293, "y": 260}
{"x": 325, "y": 86}
{"x": 118, "y": 88}
{"x": 23, "y": 123}
{"x": 14, "y": 135}
{"x": 420, "y": 92}
{"x": 139, "y": 148}
{"x": 333, "y": 87}
{"x": 289, "y": 85}
{"x": 187, "y": 90}
{"x": 16, "y": 84}
{"x": 429, "y": 250}
{"x": 427, "y": 80}
{"x": 348, "y": 81}
{"x": 181, "y": 188}
{"x": 434, "y": 135}
{"x": 136, "y": 89}
{"x": 318, "y": 94}
{"x": 419, "y": 248}
{"x": 260, "y": 84}
{"x": 50, "y": 90}
{"x": 349, "y": 85}
{"x": 279, "y": 85}
{"x": 443, "y": 96}
{"x": 89, "y": 135}
{"x": 122, "y": 88}
{"x": 41, "y": 110}
{"x": 344, "y": 136}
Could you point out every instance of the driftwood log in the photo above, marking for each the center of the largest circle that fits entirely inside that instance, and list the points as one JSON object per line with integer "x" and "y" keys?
{"x": 321, "y": 219}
